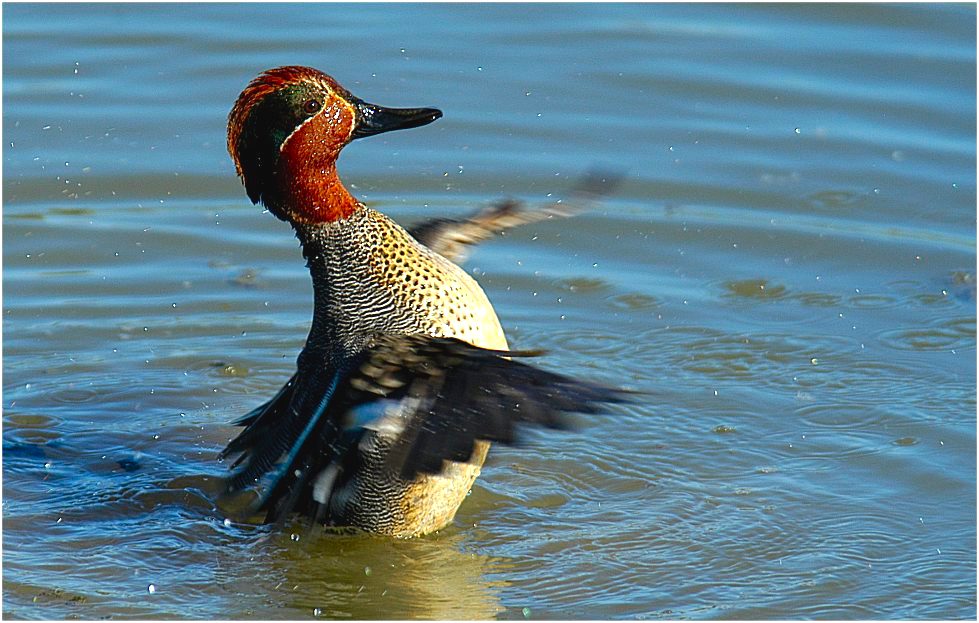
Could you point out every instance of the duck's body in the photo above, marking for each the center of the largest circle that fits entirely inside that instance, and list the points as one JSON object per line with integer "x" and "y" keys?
{"x": 371, "y": 277}
{"x": 403, "y": 380}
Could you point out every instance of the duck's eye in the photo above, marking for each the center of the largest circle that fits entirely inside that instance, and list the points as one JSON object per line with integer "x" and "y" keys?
{"x": 311, "y": 106}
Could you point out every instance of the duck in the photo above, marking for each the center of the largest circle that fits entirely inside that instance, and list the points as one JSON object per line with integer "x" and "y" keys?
{"x": 406, "y": 377}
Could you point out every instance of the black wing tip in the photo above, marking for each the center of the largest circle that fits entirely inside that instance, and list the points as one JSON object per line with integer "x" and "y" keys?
{"x": 237, "y": 482}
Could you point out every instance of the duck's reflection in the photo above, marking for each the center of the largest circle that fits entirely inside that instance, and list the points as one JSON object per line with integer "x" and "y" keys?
{"x": 364, "y": 577}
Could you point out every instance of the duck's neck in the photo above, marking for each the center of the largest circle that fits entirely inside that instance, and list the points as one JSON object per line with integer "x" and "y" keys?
{"x": 314, "y": 196}
{"x": 338, "y": 258}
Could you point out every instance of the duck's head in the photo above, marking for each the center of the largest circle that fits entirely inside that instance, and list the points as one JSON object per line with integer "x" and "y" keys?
{"x": 286, "y": 131}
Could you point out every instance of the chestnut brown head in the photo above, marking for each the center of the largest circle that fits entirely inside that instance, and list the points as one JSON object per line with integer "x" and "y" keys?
{"x": 293, "y": 121}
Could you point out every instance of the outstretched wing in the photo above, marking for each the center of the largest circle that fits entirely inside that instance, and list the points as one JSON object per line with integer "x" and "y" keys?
{"x": 277, "y": 433}
{"x": 452, "y": 238}
{"x": 463, "y": 394}
{"x": 458, "y": 394}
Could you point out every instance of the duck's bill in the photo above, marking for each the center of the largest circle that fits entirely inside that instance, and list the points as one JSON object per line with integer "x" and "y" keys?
{"x": 372, "y": 119}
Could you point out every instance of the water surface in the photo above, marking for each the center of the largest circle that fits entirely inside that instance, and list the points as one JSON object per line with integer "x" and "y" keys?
{"x": 787, "y": 271}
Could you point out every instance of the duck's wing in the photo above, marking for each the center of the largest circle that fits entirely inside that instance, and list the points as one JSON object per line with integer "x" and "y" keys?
{"x": 275, "y": 431}
{"x": 259, "y": 423}
{"x": 462, "y": 394}
{"x": 457, "y": 394}
{"x": 452, "y": 238}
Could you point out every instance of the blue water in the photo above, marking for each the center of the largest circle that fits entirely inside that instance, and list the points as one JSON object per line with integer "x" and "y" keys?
{"x": 788, "y": 270}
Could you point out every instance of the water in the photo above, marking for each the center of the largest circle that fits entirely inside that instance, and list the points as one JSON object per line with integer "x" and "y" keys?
{"x": 788, "y": 271}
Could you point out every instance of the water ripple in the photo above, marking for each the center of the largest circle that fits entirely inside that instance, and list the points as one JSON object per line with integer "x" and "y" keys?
{"x": 954, "y": 334}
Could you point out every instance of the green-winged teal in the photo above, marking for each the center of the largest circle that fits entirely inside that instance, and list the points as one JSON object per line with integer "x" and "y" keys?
{"x": 406, "y": 377}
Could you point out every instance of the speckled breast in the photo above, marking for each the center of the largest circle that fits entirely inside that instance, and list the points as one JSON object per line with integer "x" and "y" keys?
{"x": 379, "y": 279}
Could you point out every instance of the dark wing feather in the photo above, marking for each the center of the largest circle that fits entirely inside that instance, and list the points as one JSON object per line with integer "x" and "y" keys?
{"x": 276, "y": 433}
{"x": 462, "y": 394}
{"x": 465, "y": 394}
{"x": 453, "y": 237}
{"x": 260, "y": 422}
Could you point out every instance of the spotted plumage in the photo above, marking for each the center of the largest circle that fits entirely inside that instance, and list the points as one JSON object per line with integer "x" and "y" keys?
{"x": 406, "y": 377}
